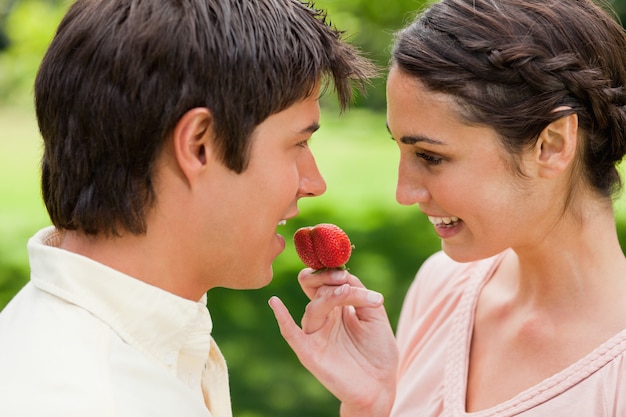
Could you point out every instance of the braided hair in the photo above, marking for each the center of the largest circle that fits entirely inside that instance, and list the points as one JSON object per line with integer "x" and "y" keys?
{"x": 510, "y": 64}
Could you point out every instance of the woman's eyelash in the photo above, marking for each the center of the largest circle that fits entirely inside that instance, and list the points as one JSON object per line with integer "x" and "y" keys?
{"x": 429, "y": 159}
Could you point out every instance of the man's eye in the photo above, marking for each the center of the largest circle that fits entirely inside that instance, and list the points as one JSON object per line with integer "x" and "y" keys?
{"x": 429, "y": 159}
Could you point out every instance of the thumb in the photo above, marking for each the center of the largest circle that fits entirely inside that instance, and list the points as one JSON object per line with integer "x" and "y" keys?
{"x": 288, "y": 327}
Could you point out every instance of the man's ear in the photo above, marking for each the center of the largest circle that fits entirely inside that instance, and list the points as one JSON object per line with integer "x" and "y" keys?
{"x": 556, "y": 146}
{"x": 193, "y": 140}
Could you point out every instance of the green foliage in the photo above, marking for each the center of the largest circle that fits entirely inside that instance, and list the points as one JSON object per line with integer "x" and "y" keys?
{"x": 21, "y": 209}
{"x": 30, "y": 27}
{"x": 371, "y": 25}
{"x": 620, "y": 8}
{"x": 31, "y": 24}
{"x": 368, "y": 24}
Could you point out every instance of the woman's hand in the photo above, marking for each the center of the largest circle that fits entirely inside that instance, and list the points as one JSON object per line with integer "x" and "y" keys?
{"x": 345, "y": 341}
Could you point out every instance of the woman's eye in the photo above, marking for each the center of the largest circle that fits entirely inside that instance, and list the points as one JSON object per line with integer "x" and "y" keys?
{"x": 429, "y": 159}
{"x": 303, "y": 144}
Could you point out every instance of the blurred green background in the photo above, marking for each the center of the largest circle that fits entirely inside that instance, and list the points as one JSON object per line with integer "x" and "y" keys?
{"x": 354, "y": 152}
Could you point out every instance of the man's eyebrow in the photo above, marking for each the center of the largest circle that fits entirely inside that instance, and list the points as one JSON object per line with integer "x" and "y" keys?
{"x": 412, "y": 140}
{"x": 312, "y": 128}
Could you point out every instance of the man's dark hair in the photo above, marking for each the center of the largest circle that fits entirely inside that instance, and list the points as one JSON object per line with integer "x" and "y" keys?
{"x": 119, "y": 75}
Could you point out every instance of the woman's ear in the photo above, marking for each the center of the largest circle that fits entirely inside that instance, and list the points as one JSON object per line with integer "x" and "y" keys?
{"x": 193, "y": 141}
{"x": 555, "y": 149}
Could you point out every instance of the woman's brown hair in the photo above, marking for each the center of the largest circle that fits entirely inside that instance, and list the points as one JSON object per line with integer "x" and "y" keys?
{"x": 511, "y": 63}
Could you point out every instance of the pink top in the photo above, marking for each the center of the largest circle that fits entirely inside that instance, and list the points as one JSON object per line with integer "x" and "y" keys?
{"x": 434, "y": 334}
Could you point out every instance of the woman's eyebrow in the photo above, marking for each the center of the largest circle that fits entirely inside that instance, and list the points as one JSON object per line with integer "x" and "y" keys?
{"x": 413, "y": 139}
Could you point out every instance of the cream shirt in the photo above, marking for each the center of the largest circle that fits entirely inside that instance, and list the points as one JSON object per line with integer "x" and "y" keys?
{"x": 434, "y": 335}
{"x": 82, "y": 339}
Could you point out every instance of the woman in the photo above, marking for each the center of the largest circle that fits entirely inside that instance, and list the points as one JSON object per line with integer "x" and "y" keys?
{"x": 510, "y": 116}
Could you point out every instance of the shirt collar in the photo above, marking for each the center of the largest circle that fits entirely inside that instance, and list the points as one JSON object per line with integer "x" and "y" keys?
{"x": 149, "y": 318}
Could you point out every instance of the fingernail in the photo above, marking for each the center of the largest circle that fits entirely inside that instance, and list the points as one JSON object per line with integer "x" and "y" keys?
{"x": 338, "y": 274}
{"x": 341, "y": 289}
{"x": 374, "y": 297}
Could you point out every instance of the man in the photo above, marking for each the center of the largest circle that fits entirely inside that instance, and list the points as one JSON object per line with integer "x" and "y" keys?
{"x": 175, "y": 142}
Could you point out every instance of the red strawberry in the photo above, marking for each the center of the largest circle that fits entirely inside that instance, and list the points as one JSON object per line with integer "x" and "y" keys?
{"x": 323, "y": 246}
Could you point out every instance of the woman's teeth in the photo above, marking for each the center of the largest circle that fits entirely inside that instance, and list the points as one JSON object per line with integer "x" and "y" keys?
{"x": 437, "y": 221}
{"x": 282, "y": 222}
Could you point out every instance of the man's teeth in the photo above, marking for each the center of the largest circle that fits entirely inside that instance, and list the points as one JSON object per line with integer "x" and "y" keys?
{"x": 282, "y": 222}
{"x": 445, "y": 220}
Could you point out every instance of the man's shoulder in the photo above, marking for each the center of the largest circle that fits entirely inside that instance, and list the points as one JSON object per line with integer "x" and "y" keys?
{"x": 48, "y": 337}
{"x": 77, "y": 365}
{"x": 50, "y": 361}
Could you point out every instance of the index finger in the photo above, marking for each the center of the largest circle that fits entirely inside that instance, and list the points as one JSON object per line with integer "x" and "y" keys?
{"x": 330, "y": 300}
{"x": 311, "y": 280}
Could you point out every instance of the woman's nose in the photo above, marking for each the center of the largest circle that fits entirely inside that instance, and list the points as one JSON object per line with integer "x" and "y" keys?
{"x": 410, "y": 188}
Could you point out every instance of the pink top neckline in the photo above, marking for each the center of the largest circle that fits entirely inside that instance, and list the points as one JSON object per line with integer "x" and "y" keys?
{"x": 457, "y": 365}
